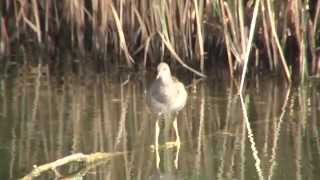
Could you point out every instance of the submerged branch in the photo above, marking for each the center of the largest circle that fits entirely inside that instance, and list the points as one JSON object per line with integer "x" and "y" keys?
{"x": 79, "y": 157}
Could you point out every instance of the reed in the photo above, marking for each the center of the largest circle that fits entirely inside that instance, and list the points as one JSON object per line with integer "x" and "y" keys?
{"x": 284, "y": 38}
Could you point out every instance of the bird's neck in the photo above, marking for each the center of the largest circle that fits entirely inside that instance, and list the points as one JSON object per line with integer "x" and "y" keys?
{"x": 166, "y": 80}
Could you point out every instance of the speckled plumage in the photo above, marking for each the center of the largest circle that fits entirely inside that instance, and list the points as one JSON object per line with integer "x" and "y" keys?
{"x": 166, "y": 93}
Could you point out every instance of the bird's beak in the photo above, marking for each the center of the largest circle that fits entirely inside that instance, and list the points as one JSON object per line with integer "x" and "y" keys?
{"x": 158, "y": 75}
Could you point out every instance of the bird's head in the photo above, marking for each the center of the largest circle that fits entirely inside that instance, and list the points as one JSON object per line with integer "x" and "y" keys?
{"x": 163, "y": 72}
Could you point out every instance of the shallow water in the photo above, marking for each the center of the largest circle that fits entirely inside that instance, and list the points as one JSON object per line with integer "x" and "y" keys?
{"x": 44, "y": 119}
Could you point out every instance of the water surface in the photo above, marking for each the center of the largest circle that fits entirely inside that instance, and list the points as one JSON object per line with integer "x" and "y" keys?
{"x": 273, "y": 134}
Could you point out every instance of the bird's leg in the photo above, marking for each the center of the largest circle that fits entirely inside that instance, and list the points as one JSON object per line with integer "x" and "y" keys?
{"x": 157, "y": 133}
{"x": 175, "y": 126}
{"x": 157, "y": 142}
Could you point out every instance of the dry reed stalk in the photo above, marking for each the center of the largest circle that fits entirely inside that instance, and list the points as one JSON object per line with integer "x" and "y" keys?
{"x": 74, "y": 13}
{"x": 48, "y": 7}
{"x": 4, "y": 38}
{"x": 174, "y": 54}
{"x": 277, "y": 42}
{"x": 123, "y": 44}
{"x": 23, "y": 14}
{"x": 240, "y": 50}
{"x": 315, "y": 35}
{"x": 187, "y": 15}
{"x": 181, "y": 27}
{"x": 146, "y": 51}
{"x": 96, "y": 15}
{"x": 101, "y": 18}
{"x": 242, "y": 33}
{"x": 316, "y": 19}
{"x": 234, "y": 29}
{"x": 20, "y": 12}
{"x": 198, "y": 14}
{"x": 142, "y": 25}
{"x": 37, "y": 20}
{"x": 146, "y": 38}
{"x": 56, "y": 18}
{"x": 226, "y": 37}
{"x": 300, "y": 28}
{"x": 168, "y": 9}
{"x": 231, "y": 33}
{"x": 249, "y": 43}
{"x": 266, "y": 35}
{"x": 150, "y": 26}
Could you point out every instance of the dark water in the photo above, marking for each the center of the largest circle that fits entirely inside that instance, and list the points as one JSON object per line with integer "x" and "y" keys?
{"x": 44, "y": 119}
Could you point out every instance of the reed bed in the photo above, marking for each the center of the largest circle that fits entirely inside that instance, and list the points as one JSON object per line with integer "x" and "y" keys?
{"x": 273, "y": 36}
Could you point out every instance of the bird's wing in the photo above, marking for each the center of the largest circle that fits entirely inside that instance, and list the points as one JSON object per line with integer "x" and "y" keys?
{"x": 159, "y": 94}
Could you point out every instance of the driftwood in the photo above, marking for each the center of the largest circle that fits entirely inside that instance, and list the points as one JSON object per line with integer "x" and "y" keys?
{"x": 91, "y": 160}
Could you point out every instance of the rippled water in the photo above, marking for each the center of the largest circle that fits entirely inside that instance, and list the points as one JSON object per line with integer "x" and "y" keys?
{"x": 272, "y": 133}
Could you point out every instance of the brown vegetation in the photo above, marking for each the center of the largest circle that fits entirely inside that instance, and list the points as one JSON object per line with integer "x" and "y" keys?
{"x": 278, "y": 36}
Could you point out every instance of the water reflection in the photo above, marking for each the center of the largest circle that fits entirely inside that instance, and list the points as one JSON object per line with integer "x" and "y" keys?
{"x": 43, "y": 120}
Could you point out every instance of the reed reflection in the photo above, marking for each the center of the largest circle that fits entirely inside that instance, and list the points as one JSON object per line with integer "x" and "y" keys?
{"x": 43, "y": 121}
